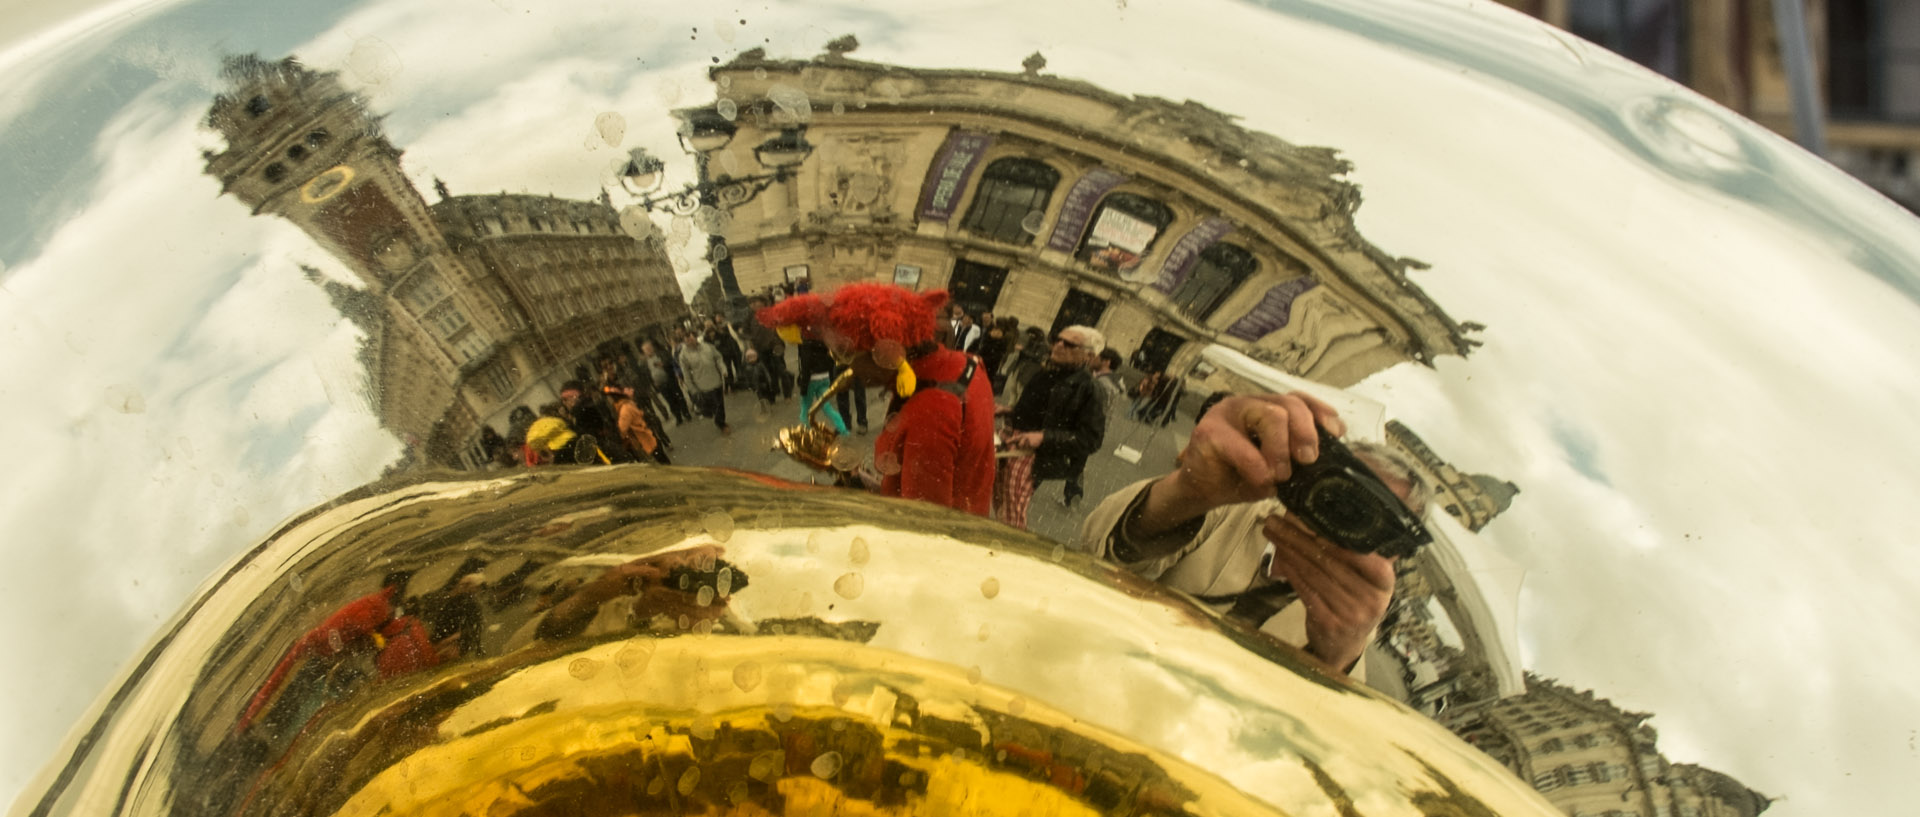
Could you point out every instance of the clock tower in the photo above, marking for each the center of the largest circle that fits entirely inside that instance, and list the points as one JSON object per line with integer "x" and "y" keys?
{"x": 302, "y": 147}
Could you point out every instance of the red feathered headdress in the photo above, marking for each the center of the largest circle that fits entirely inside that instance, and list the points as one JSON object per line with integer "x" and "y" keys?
{"x": 869, "y": 314}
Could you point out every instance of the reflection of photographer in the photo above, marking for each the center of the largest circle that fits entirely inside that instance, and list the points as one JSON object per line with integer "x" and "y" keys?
{"x": 671, "y": 590}
{"x": 1317, "y": 574}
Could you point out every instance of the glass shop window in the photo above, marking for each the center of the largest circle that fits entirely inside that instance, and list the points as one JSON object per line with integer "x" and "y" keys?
{"x": 1012, "y": 201}
{"x": 1219, "y": 271}
{"x": 1122, "y": 230}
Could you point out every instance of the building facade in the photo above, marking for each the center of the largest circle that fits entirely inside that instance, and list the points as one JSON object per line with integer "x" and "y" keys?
{"x": 472, "y": 305}
{"x": 1162, "y": 224}
{"x": 1593, "y": 759}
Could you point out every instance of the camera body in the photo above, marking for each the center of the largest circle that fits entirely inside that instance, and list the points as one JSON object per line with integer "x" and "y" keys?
{"x": 1341, "y": 499}
{"x": 722, "y": 576}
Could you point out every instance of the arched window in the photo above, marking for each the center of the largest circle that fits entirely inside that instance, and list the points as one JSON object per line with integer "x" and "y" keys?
{"x": 1012, "y": 200}
{"x": 1122, "y": 231}
{"x": 1216, "y": 274}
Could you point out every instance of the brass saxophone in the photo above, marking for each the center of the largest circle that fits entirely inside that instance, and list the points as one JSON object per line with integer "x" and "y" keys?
{"x": 815, "y": 443}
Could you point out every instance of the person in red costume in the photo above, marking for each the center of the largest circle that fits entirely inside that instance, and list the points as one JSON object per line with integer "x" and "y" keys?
{"x": 937, "y": 444}
{"x": 369, "y": 623}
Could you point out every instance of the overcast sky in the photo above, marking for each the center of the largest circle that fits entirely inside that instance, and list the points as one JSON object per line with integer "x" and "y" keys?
{"x": 1698, "y": 364}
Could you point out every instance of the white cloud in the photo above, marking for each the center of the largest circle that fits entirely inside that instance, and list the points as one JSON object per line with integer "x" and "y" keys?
{"x": 171, "y": 368}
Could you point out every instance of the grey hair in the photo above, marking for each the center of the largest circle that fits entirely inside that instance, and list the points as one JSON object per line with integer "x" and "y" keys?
{"x": 1393, "y": 463}
{"x": 1094, "y": 340}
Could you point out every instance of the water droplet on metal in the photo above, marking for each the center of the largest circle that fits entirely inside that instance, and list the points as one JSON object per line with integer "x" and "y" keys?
{"x": 985, "y": 630}
{"x": 611, "y": 126}
{"x": 583, "y": 668}
{"x": 633, "y": 656}
{"x": 704, "y": 598}
{"x": 1017, "y": 706}
{"x": 727, "y": 108}
{"x": 859, "y": 553}
{"x": 1031, "y": 224}
{"x": 759, "y": 73}
{"x": 718, "y": 524}
{"x": 711, "y": 219}
{"x": 813, "y": 542}
{"x": 887, "y": 462}
{"x": 1059, "y": 552}
{"x": 335, "y": 642}
{"x": 688, "y": 780}
{"x": 702, "y": 727}
{"x": 684, "y": 621}
{"x": 737, "y": 792}
{"x": 657, "y": 786}
{"x": 990, "y": 587}
{"x": 792, "y": 101}
{"x": 846, "y": 457}
{"x": 849, "y": 586}
{"x": 764, "y": 767}
{"x": 783, "y": 712}
{"x": 723, "y": 582}
{"x": 747, "y": 675}
{"x": 973, "y": 675}
{"x": 839, "y": 108}
{"x": 826, "y": 765}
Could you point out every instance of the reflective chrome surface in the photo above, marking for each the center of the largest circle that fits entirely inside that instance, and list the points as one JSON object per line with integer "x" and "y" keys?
{"x": 612, "y": 640}
{"x": 1697, "y": 366}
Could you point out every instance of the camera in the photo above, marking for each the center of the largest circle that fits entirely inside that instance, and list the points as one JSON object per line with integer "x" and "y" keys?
{"x": 1339, "y": 498}
{"x": 722, "y": 576}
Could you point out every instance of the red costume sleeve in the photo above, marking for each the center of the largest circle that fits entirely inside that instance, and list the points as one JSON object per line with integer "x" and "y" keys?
{"x": 930, "y": 427}
{"x": 357, "y": 619}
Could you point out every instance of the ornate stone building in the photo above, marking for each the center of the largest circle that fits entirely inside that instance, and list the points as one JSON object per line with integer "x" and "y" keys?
{"x": 1474, "y": 499}
{"x": 1163, "y": 224}
{"x": 1593, "y": 759}
{"x": 472, "y": 304}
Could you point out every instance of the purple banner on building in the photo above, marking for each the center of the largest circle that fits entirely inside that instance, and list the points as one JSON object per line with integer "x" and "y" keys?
{"x": 1078, "y": 207}
{"x": 1273, "y": 311}
{"x": 1187, "y": 250}
{"x": 948, "y": 176}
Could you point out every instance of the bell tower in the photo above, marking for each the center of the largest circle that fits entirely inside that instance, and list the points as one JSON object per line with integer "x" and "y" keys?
{"x": 302, "y": 147}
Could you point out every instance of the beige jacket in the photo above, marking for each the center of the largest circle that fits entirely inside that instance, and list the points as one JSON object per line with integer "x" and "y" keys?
{"x": 1223, "y": 558}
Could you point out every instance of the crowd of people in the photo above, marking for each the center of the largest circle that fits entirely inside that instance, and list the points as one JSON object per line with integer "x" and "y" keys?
{"x": 983, "y": 410}
{"x": 620, "y": 415}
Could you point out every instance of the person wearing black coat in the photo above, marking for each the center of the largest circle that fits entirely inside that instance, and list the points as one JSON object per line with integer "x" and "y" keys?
{"x": 1060, "y": 413}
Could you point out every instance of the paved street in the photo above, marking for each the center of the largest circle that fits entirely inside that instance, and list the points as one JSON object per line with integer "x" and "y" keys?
{"x": 750, "y": 447}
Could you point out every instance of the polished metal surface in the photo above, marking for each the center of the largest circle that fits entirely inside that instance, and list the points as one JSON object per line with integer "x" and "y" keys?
{"x": 1686, "y": 343}
{"x": 672, "y": 640}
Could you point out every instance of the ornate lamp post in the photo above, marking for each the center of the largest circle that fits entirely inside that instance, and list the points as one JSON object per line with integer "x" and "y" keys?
{"x": 702, "y": 132}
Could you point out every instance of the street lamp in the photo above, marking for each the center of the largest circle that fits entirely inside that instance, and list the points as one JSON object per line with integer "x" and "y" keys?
{"x": 702, "y": 132}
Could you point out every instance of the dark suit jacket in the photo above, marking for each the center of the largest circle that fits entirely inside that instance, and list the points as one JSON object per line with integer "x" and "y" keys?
{"x": 1066, "y": 405}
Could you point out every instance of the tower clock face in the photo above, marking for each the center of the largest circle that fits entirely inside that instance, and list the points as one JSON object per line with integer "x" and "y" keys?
{"x": 326, "y": 185}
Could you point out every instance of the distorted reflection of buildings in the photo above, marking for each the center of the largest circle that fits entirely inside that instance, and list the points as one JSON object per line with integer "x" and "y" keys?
{"x": 1440, "y": 630}
{"x": 1865, "y": 53}
{"x": 1593, "y": 759}
{"x": 471, "y": 304}
{"x": 1162, "y": 224}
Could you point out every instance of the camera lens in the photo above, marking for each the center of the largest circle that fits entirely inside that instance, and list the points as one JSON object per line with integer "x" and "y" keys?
{"x": 1343, "y": 509}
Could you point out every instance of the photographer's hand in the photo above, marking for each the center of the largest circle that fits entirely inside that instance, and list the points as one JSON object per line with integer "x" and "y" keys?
{"x": 1345, "y": 593}
{"x": 1239, "y": 451}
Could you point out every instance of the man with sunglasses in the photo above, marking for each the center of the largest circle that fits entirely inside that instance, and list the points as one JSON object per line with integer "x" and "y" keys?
{"x": 1214, "y": 529}
{"x": 1060, "y": 416}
